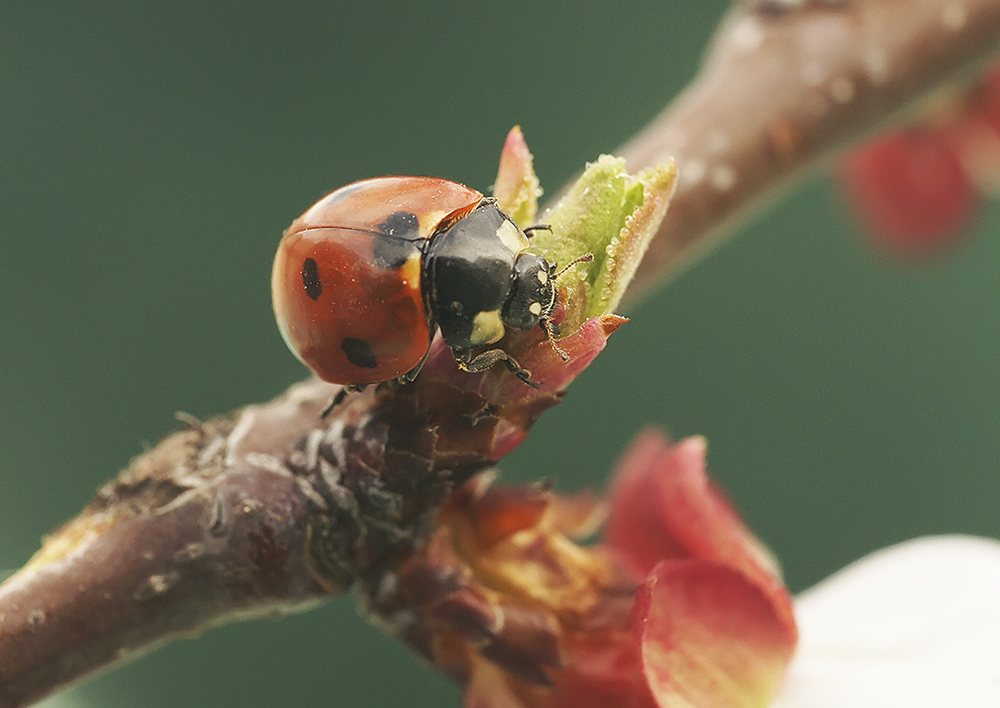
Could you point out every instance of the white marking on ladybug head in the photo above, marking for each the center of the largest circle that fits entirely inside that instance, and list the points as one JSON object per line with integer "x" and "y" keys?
{"x": 543, "y": 277}
{"x": 535, "y": 308}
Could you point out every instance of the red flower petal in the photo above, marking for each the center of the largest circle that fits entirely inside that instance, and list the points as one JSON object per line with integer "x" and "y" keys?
{"x": 711, "y": 637}
{"x": 603, "y": 677}
{"x": 911, "y": 190}
{"x": 612, "y": 625}
{"x": 664, "y": 507}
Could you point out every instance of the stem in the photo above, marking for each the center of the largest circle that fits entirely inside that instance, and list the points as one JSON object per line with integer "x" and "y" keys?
{"x": 782, "y": 91}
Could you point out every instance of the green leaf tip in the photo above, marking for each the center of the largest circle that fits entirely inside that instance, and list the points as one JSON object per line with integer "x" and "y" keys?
{"x": 516, "y": 188}
{"x": 607, "y": 212}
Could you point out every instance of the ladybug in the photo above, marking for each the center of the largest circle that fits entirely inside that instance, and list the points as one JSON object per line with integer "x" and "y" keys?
{"x": 365, "y": 276}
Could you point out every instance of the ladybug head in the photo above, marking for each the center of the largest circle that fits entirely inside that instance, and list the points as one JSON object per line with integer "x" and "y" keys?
{"x": 532, "y": 297}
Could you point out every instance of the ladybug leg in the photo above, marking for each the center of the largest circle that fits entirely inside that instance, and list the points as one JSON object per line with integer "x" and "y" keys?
{"x": 339, "y": 397}
{"x": 410, "y": 375}
{"x": 537, "y": 227}
{"x": 551, "y": 329}
{"x": 487, "y": 359}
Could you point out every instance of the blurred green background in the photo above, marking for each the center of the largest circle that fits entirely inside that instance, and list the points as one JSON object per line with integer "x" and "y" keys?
{"x": 150, "y": 156}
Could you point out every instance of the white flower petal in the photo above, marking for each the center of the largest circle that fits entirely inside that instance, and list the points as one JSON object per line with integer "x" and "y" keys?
{"x": 914, "y": 625}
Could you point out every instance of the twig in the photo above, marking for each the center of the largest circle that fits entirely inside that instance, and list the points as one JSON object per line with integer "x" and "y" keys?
{"x": 785, "y": 85}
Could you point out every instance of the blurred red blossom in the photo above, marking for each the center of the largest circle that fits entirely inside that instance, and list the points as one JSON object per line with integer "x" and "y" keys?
{"x": 677, "y": 605}
{"x": 917, "y": 189}
{"x": 910, "y": 190}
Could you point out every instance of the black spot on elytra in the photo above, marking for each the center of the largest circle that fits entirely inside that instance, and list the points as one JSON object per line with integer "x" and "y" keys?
{"x": 310, "y": 279}
{"x": 359, "y": 353}
{"x": 392, "y": 252}
{"x": 403, "y": 224}
{"x": 399, "y": 230}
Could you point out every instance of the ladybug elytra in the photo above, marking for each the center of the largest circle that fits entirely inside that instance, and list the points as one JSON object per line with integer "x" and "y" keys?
{"x": 362, "y": 279}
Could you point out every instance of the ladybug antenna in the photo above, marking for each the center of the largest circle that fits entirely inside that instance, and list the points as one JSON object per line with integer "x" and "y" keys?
{"x": 585, "y": 258}
{"x": 550, "y": 328}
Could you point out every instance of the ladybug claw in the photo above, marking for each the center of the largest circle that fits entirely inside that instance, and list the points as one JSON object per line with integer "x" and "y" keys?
{"x": 487, "y": 359}
{"x": 339, "y": 397}
{"x": 410, "y": 375}
{"x": 526, "y": 378}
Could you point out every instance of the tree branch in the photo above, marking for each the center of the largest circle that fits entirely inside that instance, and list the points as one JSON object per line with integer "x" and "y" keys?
{"x": 193, "y": 533}
{"x": 785, "y": 85}
{"x": 273, "y": 509}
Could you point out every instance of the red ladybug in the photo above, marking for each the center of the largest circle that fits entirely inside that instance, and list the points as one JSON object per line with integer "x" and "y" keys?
{"x": 362, "y": 279}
